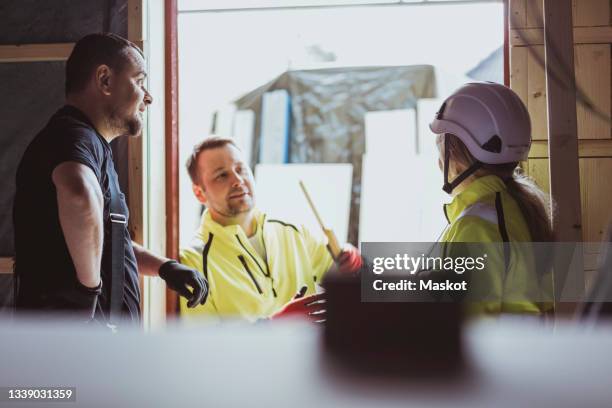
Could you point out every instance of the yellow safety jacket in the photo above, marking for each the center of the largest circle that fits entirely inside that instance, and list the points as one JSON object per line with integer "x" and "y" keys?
{"x": 242, "y": 283}
{"x": 486, "y": 213}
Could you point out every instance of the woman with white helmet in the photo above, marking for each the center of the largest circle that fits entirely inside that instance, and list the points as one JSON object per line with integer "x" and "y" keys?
{"x": 483, "y": 132}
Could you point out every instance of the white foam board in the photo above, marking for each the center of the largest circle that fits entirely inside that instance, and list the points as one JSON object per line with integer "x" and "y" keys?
{"x": 278, "y": 194}
{"x": 399, "y": 194}
{"x": 244, "y": 126}
{"x": 275, "y": 124}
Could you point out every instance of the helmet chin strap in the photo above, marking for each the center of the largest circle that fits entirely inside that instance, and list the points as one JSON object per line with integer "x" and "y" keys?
{"x": 450, "y": 186}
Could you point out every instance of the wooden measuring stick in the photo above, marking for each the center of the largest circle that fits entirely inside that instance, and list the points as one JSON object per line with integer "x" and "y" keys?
{"x": 332, "y": 242}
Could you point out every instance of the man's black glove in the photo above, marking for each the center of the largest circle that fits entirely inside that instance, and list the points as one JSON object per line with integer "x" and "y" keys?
{"x": 180, "y": 278}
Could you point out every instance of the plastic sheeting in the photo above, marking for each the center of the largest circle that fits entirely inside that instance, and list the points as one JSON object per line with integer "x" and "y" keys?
{"x": 31, "y": 93}
{"x": 328, "y": 110}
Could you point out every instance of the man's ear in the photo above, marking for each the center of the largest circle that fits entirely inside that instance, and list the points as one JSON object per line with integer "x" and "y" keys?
{"x": 104, "y": 79}
{"x": 199, "y": 193}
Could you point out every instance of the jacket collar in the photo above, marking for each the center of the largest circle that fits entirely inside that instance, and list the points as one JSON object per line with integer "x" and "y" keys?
{"x": 208, "y": 225}
{"x": 473, "y": 193}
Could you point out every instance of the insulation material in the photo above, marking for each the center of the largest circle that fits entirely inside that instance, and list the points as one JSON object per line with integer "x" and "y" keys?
{"x": 328, "y": 108}
{"x": 400, "y": 179}
{"x": 387, "y": 192}
{"x": 275, "y": 127}
{"x": 223, "y": 121}
{"x": 31, "y": 93}
{"x": 59, "y": 21}
{"x": 432, "y": 195}
{"x": 329, "y": 185}
{"x": 244, "y": 126}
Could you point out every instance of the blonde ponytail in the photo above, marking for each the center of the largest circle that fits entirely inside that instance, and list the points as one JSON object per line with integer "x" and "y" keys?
{"x": 534, "y": 205}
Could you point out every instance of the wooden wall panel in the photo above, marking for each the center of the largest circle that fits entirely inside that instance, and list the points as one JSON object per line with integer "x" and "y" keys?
{"x": 538, "y": 170}
{"x": 517, "y": 14}
{"x": 589, "y": 13}
{"x": 35, "y": 52}
{"x": 595, "y": 196}
{"x": 596, "y": 191}
{"x": 518, "y": 72}
{"x": 536, "y": 95}
{"x": 6, "y": 265}
{"x": 592, "y": 63}
{"x": 585, "y": 13}
{"x": 534, "y": 12}
{"x": 593, "y": 75}
{"x": 586, "y": 148}
{"x": 592, "y": 55}
{"x": 520, "y": 37}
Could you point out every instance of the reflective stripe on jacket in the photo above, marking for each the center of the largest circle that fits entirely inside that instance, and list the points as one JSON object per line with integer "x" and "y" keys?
{"x": 486, "y": 213}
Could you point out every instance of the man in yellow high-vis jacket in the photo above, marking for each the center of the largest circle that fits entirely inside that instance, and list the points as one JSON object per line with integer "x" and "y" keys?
{"x": 256, "y": 267}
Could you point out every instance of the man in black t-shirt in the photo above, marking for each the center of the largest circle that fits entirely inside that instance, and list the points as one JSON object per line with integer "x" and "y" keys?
{"x": 66, "y": 186}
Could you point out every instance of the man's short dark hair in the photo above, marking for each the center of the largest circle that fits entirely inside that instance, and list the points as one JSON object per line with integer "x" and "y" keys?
{"x": 92, "y": 51}
{"x": 209, "y": 143}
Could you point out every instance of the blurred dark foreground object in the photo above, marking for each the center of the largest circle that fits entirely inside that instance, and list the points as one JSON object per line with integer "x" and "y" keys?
{"x": 393, "y": 337}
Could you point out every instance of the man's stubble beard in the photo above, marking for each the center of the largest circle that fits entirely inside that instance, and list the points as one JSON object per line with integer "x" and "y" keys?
{"x": 235, "y": 210}
{"x": 232, "y": 211}
{"x": 125, "y": 126}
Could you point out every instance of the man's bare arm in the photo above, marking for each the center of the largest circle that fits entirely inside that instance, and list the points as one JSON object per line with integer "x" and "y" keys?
{"x": 148, "y": 262}
{"x": 80, "y": 205}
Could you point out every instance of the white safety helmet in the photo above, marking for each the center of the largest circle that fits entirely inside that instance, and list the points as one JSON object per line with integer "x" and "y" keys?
{"x": 491, "y": 121}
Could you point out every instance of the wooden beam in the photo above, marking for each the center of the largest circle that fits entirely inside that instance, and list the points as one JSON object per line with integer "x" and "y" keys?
{"x": 563, "y": 145}
{"x": 135, "y": 145}
{"x": 172, "y": 150}
{"x": 35, "y": 52}
{"x": 586, "y": 148}
{"x": 582, "y": 35}
{"x": 6, "y": 265}
{"x": 506, "y": 43}
{"x": 136, "y": 20}
{"x": 135, "y": 25}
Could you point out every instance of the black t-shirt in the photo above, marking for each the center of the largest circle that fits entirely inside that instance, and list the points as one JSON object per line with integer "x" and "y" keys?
{"x": 43, "y": 262}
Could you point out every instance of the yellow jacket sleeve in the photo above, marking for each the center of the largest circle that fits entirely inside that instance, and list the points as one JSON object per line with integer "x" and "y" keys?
{"x": 320, "y": 257}
{"x": 487, "y": 286}
{"x": 484, "y": 241}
